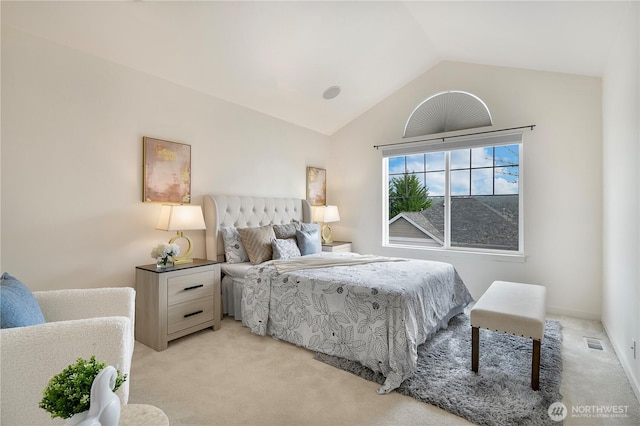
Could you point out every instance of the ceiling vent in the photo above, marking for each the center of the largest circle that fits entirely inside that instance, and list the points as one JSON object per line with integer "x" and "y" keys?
{"x": 446, "y": 112}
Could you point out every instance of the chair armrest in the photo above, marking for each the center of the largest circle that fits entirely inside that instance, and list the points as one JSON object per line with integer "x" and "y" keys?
{"x": 72, "y": 304}
{"x": 30, "y": 356}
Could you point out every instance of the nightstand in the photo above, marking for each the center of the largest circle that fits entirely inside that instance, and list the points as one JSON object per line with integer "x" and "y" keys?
{"x": 344, "y": 246}
{"x": 176, "y": 301}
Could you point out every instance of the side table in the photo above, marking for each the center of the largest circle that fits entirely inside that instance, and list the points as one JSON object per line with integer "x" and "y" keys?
{"x": 176, "y": 301}
{"x": 344, "y": 246}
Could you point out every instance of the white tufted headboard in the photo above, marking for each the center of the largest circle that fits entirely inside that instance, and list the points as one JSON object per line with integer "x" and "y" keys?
{"x": 241, "y": 212}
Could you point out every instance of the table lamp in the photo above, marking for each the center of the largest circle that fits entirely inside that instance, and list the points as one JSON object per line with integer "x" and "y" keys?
{"x": 181, "y": 218}
{"x": 326, "y": 214}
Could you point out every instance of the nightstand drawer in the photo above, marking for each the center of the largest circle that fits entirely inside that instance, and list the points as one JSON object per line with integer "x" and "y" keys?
{"x": 188, "y": 314}
{"x": 188, "y": 287}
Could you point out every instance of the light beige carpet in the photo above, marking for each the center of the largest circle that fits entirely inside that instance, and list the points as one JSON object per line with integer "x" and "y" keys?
{"x": 232, "y": 377}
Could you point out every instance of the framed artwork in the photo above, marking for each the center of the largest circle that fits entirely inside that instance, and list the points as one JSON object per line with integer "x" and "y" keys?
{"x": 316, "y": 186}
{"x": 167, "y": 171}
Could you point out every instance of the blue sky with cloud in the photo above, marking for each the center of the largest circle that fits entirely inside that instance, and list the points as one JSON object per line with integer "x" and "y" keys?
{"x": 472, "y": 170}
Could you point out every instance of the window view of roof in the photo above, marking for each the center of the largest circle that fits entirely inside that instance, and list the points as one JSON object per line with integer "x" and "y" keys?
{"x": 489, "y": 222}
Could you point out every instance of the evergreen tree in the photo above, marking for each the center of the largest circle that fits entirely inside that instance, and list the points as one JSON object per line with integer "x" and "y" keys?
{"x": 407, "y": 194}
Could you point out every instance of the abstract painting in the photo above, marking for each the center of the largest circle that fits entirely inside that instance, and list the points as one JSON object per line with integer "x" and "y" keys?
{"x": 167, "y": 171}
{"x": 316, "y": 186}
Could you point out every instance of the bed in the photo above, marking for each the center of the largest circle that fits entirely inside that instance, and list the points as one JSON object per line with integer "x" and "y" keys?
{"x": 371, "y": 309}
{"x": 242, "y": 211}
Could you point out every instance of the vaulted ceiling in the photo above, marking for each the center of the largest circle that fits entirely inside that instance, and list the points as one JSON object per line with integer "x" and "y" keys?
{"x": 279, "y": 57}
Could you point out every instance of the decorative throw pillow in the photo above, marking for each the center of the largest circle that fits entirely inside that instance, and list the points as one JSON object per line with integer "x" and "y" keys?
{"x": 303, "y": 226}
{"x": 18, "y": 307}
{"x": 257, "y": 242}
{"x": 285, "y": 248}
{"x": 309, "y": 242}
{"x": 234, "y": 250}
{"x": 285, "y": 231}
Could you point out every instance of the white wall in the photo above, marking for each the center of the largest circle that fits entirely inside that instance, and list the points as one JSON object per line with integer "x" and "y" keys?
{"x": 0, "y": 153}
{"x": 621, "y": 201}
{"x": 562, "y": 177}
{"x": 72, "y": 128}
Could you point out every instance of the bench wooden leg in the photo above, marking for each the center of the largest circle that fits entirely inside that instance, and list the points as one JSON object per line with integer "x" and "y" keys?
{"x": 475, "y": 348}
{"x": 535, "y": 366}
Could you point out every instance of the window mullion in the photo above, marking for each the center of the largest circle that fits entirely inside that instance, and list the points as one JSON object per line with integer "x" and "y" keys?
{"x": 470, "y": 169}
{"x": 493, "y": 170}
{"x": 447, "y": 199}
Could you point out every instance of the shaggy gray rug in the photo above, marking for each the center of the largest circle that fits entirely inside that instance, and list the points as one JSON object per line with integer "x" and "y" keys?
{"x": 500, "y": 394}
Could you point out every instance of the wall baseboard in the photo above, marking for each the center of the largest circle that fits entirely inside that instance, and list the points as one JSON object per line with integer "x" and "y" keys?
{"x": 574, "y": 314}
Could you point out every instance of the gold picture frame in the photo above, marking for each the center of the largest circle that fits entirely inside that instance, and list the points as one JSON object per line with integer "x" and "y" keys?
{"x": 316, "y": 186}
{"x": 166, "y": 171}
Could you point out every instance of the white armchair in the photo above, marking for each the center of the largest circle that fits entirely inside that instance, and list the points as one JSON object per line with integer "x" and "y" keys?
{"x": 80, "y": 323}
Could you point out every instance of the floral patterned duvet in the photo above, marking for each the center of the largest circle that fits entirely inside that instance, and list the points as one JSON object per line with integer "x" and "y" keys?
{"x": 377, "y": 312}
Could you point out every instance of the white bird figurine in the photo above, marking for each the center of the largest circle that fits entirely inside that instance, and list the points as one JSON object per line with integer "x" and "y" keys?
{"x": 104, "y": 407}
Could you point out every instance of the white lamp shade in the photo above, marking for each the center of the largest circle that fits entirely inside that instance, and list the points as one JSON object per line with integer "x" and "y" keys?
{"x": 317, "y": 213}
{"x": 181, "y": 218}
{"x": 326, "y": 214}
{"x": 331, "y": 214}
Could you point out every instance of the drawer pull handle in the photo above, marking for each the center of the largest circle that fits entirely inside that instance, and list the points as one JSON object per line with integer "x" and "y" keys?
{"x": 193, "y": 287}
{"x": 193, "y": 313}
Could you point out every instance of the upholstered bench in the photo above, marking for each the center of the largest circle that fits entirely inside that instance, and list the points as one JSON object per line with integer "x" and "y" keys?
{"x": 511, "y": 308}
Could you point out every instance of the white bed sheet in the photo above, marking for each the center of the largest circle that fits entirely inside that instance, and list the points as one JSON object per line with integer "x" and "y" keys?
{"x": 232, "y": 280}
{"x": 236, "y": 270}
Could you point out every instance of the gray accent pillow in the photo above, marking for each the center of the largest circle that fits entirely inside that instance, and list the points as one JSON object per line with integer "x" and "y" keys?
{"x": 18, "y": 307}
{"x": 257, "y": 242}
{"x": 285, "y": 248}
{"x": 303, "y": 226}
{"x": 234, "y": 250}
{"x": 285, "y": 231}
{"x": 309, "y": 242}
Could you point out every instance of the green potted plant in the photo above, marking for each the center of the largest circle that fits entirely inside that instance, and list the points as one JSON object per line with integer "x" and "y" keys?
{"x": 68, "y": 393}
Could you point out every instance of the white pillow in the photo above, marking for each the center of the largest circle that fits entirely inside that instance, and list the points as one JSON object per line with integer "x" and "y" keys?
{"x": 234, "y": 250}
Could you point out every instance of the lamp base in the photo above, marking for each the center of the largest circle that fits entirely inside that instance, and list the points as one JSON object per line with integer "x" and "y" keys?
{"x": 326, "y": 234}
{"x": 186, "y": 257}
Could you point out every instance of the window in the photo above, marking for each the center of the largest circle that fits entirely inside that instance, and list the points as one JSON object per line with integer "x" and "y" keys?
{"x": 465, "y": 194}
